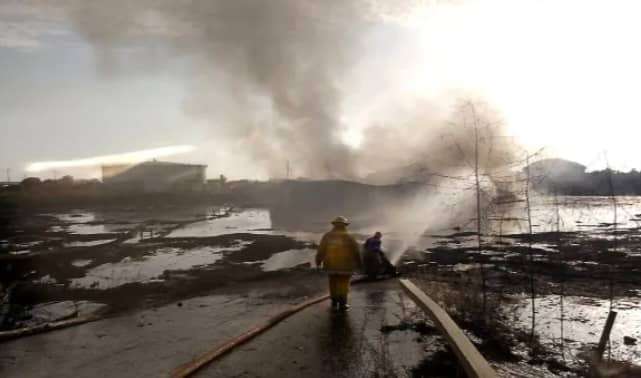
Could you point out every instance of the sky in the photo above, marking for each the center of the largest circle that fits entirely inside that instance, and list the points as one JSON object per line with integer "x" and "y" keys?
{"x": 562, "y": 75}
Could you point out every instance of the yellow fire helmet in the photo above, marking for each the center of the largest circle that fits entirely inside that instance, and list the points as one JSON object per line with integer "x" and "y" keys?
{"x": 340, "y": 220}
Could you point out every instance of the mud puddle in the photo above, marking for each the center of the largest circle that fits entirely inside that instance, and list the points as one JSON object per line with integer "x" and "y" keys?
{"x": 152, "y": 266}
{"x": 289, "y": 259}
{"x": 583, "y": 321}
{"x": 250, "y": 220}
{"x": 91, "y": 243}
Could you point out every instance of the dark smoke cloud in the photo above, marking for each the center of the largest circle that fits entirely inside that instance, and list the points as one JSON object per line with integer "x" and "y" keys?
{"x": 270, "y": 76}
{"x": 287, "y": 55}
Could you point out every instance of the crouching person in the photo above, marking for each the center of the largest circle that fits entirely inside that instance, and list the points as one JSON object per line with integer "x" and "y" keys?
{"x": 375, "y": 261}
{"x": 339, "y": 255}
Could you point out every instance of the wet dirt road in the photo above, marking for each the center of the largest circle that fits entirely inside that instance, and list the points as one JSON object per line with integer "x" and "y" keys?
{"x": 148, "y": 343}
{"x": 367, "y": 341}
{"x": 151, "y": 343}
{"x": 383, "y": 335}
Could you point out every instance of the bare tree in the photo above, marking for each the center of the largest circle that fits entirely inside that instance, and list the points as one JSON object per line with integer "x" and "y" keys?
{"x": 528, "y": 208}
{"x": 562, "y": 270}
{"x": 475, "y": 123}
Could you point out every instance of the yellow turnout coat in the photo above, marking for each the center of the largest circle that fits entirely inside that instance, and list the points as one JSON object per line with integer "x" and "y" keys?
{"x": 338, "y": 252}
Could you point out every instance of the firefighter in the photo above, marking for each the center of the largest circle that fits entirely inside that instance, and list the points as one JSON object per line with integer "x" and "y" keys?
{"x": 339, "y": 255}
{"x": 376, "y": 263}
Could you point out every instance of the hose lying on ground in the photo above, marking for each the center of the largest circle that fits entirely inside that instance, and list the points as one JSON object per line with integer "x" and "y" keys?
{"x": 191, "y": 367}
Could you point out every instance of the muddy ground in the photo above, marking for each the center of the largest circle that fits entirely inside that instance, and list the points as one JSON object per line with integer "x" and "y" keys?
{"x": 571, "y": 279}
{"x": 44, "y": 265}
{"x": 132, "y": 260}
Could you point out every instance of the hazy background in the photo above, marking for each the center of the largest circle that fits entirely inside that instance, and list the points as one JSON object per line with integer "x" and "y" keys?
{"x": 339, "y": 89}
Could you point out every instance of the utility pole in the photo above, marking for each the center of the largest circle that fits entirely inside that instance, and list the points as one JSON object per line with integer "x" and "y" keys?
{"x": 8, "y": 175}
{"x": 287, "y": 169}
{"x": 561, "y": 254}
{"x": 530, "y": 252}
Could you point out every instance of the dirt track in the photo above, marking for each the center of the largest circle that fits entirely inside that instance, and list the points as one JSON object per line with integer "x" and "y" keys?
{"x": 147, "y": 343}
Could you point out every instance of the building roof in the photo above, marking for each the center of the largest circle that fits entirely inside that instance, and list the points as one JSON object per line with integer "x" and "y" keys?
{"x": 156, "y": 163}
{"x": 153, "y": 171}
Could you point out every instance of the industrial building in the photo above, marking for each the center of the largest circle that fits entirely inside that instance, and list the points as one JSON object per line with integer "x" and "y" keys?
{"x": 154, "y": 177}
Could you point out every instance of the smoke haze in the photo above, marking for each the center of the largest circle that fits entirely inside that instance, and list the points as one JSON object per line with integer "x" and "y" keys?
{"x": 277, "y": 66}
{"x": 254, "y": 84}
{"x": 271, "y": 78}
{"x": 316, "y": 86}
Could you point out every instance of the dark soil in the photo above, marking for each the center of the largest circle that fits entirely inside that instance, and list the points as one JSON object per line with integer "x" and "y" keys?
{"x": 443, "y": 364}
{"x": 227, "y": 273}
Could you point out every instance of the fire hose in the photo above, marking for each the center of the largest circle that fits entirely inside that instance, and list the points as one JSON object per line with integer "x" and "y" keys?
{"x": 191, "y": 367}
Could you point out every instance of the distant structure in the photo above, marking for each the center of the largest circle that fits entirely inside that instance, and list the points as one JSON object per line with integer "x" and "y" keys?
{"x": 154, "y": 177}
{"x": 412, "y": 173}
{"x": 557, "y": 169}
{"x": 558, "y": 175}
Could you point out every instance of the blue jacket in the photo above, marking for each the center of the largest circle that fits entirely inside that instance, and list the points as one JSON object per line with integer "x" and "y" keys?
{"x": 373, "y": 245}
